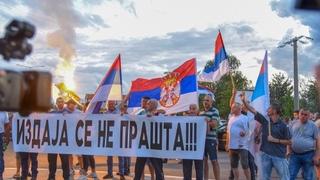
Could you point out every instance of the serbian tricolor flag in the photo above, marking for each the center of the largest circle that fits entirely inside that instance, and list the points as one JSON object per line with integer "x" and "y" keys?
{"x": 110, "y": 88}
{"x": 260, "y": 100}
{"x": 174, "y": 92}
{"x": 260, "y": 97}
{"x": 219, "y": 67}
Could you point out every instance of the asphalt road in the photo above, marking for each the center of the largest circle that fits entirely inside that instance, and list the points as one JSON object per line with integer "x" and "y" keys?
{"x": 172, "y": 169}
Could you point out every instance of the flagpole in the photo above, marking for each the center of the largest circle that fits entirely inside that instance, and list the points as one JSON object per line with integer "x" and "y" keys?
{"x": 232, "y": 80}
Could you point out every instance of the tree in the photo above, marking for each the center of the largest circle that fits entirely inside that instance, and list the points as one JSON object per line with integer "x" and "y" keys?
{"x": 310, "y": 96}
{"x": 223, "y": 88}
{"x": 281, "y": 90}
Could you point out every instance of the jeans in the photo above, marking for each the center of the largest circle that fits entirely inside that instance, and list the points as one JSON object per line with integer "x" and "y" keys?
{"x": 24, "y": 156}
{"x": 187, "y": 169}
{"x": 110, "y": 164}
{"x": 52, "y": 159}
{"x": 1, "y": 155}
{"x": 122, "y": 167}
{"x": 304, "y": 161}
{"x": 281, "y": 165}
{"x": 156, "y": 163}
{"x": 88, "y": 160}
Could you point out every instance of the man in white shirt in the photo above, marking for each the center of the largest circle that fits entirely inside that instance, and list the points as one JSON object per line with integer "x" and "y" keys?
{"x": 4, "y": 132}
{"x": 237, "y": 140}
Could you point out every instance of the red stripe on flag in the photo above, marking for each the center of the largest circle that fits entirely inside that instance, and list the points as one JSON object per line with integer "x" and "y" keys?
{"x": 219, "y": 43}
{"x": 186, "y": 69}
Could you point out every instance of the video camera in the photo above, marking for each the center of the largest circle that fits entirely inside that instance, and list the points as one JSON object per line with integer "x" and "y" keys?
{"x": 21, "y": 91}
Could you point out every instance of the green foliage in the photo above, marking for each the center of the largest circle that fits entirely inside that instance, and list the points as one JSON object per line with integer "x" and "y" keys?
{"x": 223, "y": 88}
{"x": 281, "y": 90}
{"x": 310, "y": 96}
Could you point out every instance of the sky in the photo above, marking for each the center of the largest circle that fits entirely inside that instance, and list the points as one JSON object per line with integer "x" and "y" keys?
{"x": 156, "y": 36}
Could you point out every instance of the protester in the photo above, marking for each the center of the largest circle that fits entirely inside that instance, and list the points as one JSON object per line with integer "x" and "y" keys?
{"x": 143, "y": 111}
{"x": 18, "y": 167}
{"x": 151, "y": 108}
{"x": 237, "y": 141}
{"x": 252, "y": 135}
{"x": 317, "y": 123}
{"x": 187, "y": 163}
{"x": 17, "y": 155}
{"x": 275, "y": 137}
{"x": 127, "y": 160}
{"x": 52, "y": 158}
{"x": 305, "y": 148}
{"x": 72, "y": 108}
{"x": 4, "y": 138}
{"x": 213, "y": 118}
{"x": 111, "y": 105}
{"x": 121, "y": 159}
{"x": 88, "y": 160}
{"x": 295, "y": 115}
{"x": 24, "y": 157}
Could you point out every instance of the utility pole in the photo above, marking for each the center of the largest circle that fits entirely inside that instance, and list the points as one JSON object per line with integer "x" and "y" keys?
{"x": 294, "y": 42}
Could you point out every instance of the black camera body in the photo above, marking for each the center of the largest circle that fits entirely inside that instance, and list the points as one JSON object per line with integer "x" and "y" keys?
{"x": 22, "y": 91}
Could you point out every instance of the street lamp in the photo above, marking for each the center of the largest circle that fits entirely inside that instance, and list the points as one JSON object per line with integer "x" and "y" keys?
{"x": 294, "y": 42}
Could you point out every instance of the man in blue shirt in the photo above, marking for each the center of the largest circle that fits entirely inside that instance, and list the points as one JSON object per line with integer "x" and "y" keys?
{"x": 304, "y": 150}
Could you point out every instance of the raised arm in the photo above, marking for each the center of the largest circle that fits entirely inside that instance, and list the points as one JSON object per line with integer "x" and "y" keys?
{"x": 245, "y": 103}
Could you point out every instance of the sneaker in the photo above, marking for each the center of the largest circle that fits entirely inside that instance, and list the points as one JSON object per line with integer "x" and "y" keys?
{"x": 122, "y": 177}
{"x": 108, "y": 176}
{"x": 16, "y": 176}
{"x": 92, "y": 175}
{"x": 82, "y": 177}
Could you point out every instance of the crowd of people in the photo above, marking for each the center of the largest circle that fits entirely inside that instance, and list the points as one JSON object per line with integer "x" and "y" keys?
{"x": 286, "y": 147}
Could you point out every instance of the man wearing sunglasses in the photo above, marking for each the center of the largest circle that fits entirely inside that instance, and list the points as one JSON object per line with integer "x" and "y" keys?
{"x": 304, "y": 150}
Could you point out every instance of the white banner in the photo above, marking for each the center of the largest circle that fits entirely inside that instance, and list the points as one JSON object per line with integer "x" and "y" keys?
{"x": 180, "y": 137}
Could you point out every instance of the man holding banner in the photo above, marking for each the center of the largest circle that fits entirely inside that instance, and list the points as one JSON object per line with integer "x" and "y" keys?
{"x": 212, "y": 117}
{"x": 52, "y": 158}
{"x": 156, "y": 162}
{"x": 187, "y": 163}
{"x": 111, "y": 110}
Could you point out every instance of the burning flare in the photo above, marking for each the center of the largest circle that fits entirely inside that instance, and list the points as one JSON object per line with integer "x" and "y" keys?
{"x": 65, "y": 70}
